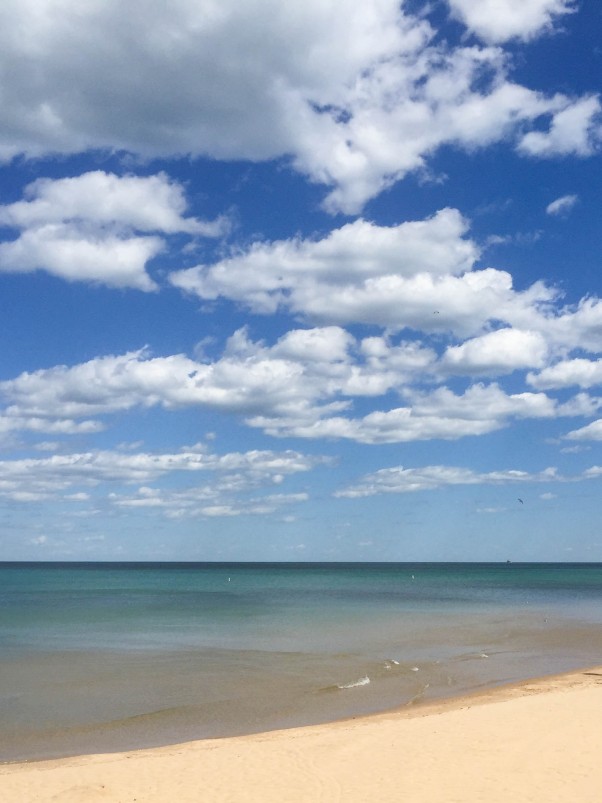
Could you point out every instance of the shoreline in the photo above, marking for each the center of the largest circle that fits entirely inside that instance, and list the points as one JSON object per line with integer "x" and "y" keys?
{"x": 531, "y": 740}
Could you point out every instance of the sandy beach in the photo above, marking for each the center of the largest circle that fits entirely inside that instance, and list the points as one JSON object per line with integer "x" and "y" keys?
{"x": 536, "y": 741}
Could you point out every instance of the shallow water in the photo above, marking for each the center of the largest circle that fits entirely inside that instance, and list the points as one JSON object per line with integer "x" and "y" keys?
{"x": 97, "y": 657}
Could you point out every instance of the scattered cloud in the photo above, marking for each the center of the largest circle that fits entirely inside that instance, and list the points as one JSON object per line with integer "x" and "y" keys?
{"x": 208, "y": 501}
{"x": 302, "y": 386}
{"x": 591, "y": 432}
{"x": 499, "y": 352}
{"x": 73, "y": 477}
{"x": 562, "y": 206}
{"x": 407, "y": 480}
{"x": 305, "y": 374}
{"x": 497, "y": 21}
{"x": 421, "y": 276}
{"x": 97, "y": 227}
{"x": 39, "y": 540}
{"x": 306, "y": 383}
{"x": 594, "y": 471}
{"x": 417, "y": 275}
{"x": 390, "y": 323}
{"x": 441, "y": 414}
{"x": 579, "y": 371}
{"x": 575, "y": 129}
{"x": 577, "y": 449}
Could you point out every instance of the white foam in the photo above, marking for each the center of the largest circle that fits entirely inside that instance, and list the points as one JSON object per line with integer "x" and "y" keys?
{"x": 361, "y": 682}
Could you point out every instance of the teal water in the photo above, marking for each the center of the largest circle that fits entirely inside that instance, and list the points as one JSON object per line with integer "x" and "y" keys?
{"x": 97, "y": 657}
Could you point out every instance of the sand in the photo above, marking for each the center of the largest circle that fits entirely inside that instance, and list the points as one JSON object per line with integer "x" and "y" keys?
{"x": 536, "y": 741}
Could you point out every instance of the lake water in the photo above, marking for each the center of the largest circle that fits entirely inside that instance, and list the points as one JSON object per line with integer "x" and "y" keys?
{"x": 100, "y": 657}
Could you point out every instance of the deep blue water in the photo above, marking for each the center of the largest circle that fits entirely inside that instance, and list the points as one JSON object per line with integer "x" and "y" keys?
{"x": 108, "y": 656}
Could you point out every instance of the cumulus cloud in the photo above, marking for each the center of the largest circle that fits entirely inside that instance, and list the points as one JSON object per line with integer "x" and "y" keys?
{"x": 501, "y": 20}
{"x": 304, "y": 385}
{"x": 418, "y": 274}
{"x": 355, "y": 95}
{"x": 499, "y": 352}
{"x": 267, "y": 274}
{"x": 594, "y": 471}
{"x": 575, "y": 129}
{"x": 562, "y": 206}
{"x": 309, "y": 372}
{"x": 572, "y": 327}
{"x": 440, "y": 414}
{"x": 591, "y": 432}
{"x": 97, "y": 227}
{"x": 579, "y": 371}
{"x": 407, "y": 480}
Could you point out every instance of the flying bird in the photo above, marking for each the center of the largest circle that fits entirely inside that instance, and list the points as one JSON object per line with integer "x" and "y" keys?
{"x": 521, "y": 501}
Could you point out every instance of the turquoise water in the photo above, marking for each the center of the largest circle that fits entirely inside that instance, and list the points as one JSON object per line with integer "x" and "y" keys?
{"x": 114, "y": 656}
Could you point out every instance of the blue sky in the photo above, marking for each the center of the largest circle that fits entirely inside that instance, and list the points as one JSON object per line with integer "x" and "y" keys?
{"x": 311, "y": 281}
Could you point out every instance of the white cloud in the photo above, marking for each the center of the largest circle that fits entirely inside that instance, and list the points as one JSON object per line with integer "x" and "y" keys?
{"x": 266, "y": 275}
{"x": 354, "y": 94}
{"x": 407, "y": 480}
{"x": 305, "y": 373}
{"x": 481, "y": 402}
{"x": 237, "y": 473}
{"x": 579, "y": 371}
{"x": 499, "y": 352}
{"x": 304, "y": 385}
{"x": 300, "y": 386}
{"x": 39, "y": 540}
{"x": 150, "y": 203}
{"x": 577, "y": 449}
{"x": 591, "y": 432}
{"x": 418, "y": 274}
{"x": 12, "y": 421}
{"x": 575, "y": 129}
{"x": 501, "y": 20}
{"x": 400, "y": 111}
{"x": 572, "y": 327}
{"x": 562, "y": 205}
{"x": 65, "y": 252}
{"x": 95, "y": 227}
{"x": 209, "y": 500}
{"x": 594, "y": 471}
{"x": 440, "y": 414}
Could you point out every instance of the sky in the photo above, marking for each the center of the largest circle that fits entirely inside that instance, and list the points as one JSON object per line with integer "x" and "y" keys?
{"x": 306, "y": 281}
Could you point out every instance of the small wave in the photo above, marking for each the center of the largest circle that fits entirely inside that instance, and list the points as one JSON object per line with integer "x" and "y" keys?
{"x": 361, "y": 682}
{"x": 417, "y": 697}
{"x": 390, "y": 663}
{"x": 471, "y": 656}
